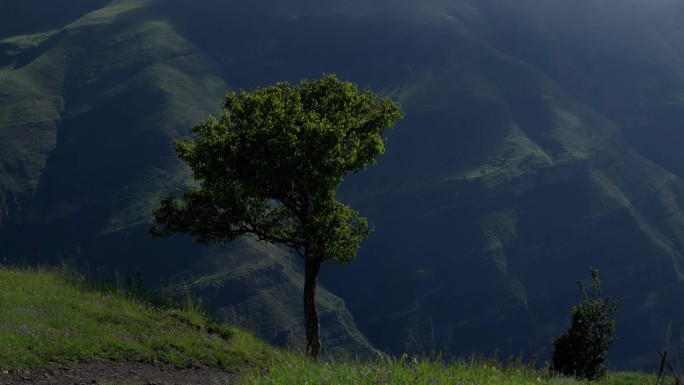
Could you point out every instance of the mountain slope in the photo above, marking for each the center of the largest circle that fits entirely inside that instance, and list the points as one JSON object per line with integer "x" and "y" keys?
{"x": 91, "y": 110}
{"x": 540, "y": 139}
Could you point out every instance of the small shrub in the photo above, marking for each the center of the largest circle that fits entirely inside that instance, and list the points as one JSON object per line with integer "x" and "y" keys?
{"x": 581, "y": 351}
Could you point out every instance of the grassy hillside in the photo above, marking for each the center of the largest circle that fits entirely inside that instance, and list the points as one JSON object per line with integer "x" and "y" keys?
{"x": 51, "y": 319}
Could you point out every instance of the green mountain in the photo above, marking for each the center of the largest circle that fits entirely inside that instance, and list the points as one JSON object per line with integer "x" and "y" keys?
{"x": 541, "y": 138}
{"x": 89, "y": 110}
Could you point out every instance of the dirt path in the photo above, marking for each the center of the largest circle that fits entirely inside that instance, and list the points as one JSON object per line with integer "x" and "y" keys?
{"x": 124, "y": 373}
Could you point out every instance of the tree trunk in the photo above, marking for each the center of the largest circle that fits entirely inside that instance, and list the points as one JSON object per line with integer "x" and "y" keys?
{"x": 313, "y": 336}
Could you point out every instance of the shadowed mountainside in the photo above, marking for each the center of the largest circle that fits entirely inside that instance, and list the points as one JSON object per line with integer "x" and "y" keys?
{"x": 540, "y": 139}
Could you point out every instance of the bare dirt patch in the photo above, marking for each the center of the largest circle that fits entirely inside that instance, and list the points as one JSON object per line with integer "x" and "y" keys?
{"x": 117, "y": 373}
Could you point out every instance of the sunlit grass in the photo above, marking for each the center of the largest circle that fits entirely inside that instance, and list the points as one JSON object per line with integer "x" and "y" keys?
{"x": 49, "y": 317}
{"x": 387, "y": 371}
{"x": 297, "y": 369}
{"x": 404, "y": 370}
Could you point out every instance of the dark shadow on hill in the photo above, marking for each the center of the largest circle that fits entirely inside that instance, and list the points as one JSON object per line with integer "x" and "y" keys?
{"x": 23, "y": 17}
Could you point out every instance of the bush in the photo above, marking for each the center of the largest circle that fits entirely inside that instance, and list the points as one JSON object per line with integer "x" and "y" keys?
{"x": 581, "y": 351}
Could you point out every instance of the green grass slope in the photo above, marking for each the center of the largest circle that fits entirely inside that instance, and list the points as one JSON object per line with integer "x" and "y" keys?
{"x": 52, "y": 318}
{"x": 419, "y": 371}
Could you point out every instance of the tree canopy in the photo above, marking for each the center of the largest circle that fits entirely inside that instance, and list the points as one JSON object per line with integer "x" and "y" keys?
{"x": 270, "y": 167}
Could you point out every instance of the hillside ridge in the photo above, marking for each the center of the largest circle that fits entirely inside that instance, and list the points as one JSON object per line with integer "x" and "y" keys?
{"x": 540, "y": 140}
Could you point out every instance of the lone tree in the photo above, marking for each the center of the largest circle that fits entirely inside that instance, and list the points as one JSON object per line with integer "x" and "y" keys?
{"x": 270, "y": 167}
{"x": 581, "y": 351}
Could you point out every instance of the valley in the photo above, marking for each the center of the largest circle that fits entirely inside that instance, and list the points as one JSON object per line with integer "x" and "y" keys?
{"x": 540, "y": 140}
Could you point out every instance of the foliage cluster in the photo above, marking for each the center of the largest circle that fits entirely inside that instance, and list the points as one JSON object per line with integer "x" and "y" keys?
{"x": 270, "y": 168}
{"x": 271, "y": 165}
{"x": 581, "y": 351}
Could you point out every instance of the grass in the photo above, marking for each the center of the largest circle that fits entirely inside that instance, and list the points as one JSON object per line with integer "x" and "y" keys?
{"x": 57, "y": 317}
{"x": 403, "y": 370}
{"x": 294, "y": 369}
{"x": 52, "y": 317}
